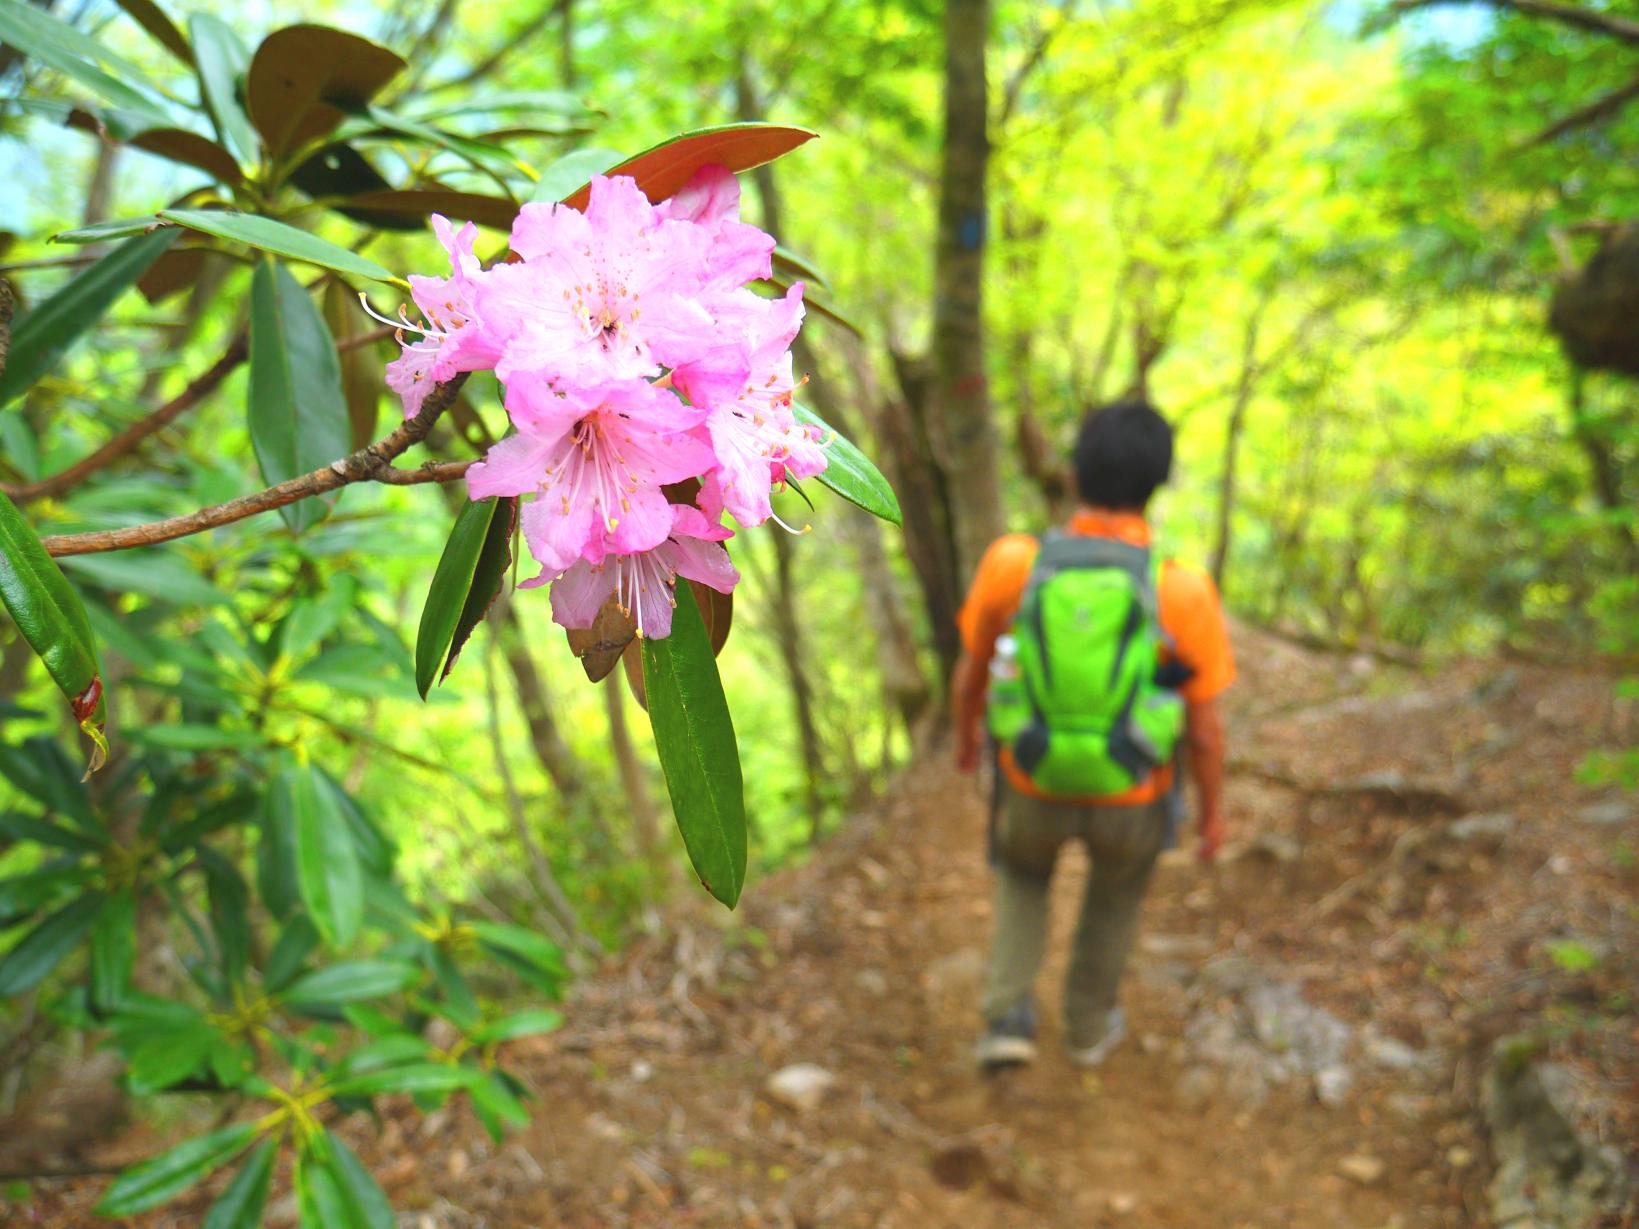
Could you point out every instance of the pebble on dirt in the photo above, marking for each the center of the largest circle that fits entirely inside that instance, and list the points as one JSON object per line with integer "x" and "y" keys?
{"x": 801, "y": 1086}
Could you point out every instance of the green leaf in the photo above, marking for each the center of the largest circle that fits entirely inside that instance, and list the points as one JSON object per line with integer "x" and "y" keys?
{"x": 366, "y": 1202}
{"x": 466, "y": 581}
{"x": 39, "y": 338}
{"x": 361, "y": 377}
{"x": 222, "y": 60}
{"x": 276, "y": 854}
{"x": 304, "y": 78}
{"x": 152, "y": 18}
{"x": 170, "y": 1173}
{"x": 113, "y": 948}
{"x": 496, "y": 1106}
{"x": 537, "y": 949}
{"x": 15, "y": 826}
{"x": 850, "y": 473}
{"x": 25, "y": 894}
{"x": 327, "y": 864}
{"x": 412, "y": 1077}
{"x": 519, "y": 1024}
{"x": 298, "y": 413}
{"x": 267, "y": 235}
{"x": 156, "y": 1061}
{"x": 229, "y": 899}
{"x": 350, "y": 981}
{"x": 295, "y": 943}
{"x": 240, "y": 1206}
{"x": 662, "y": 170}
{"x": 56, "y": 44}
{"x": 114, "y": 228}
{"x": 48, "y": 944}
{"x": 694, "y": 736}
{"x": 572, "y": 171}
{"x": 319, "y": 1198}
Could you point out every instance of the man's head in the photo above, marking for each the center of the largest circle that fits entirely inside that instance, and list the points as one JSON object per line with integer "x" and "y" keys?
{"x": 1124, "y": 451}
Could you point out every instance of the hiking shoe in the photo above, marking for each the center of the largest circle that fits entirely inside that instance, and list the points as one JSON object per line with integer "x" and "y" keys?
{"x": 1009, "y": 1040}
{"x": 1115, "y": 1032}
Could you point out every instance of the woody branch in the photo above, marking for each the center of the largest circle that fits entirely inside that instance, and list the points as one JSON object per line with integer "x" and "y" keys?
{"x": 372, "y": 463}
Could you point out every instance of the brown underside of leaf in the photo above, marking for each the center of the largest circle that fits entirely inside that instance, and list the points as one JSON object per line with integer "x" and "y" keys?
{"x": 601, "y": 645}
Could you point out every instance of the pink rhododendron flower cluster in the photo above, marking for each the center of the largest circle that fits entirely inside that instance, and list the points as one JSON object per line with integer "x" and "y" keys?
{"x": 633, "y": 357}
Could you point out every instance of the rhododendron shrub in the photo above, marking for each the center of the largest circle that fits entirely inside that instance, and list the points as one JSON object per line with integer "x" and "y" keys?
{"x": 634, "y": 358}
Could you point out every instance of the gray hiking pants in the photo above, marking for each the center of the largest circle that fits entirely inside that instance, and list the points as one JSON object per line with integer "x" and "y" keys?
{"x": 1123, "y": 843}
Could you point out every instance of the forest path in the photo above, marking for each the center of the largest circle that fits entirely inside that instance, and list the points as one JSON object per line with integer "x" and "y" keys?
{"x": 1309, "y": 1018}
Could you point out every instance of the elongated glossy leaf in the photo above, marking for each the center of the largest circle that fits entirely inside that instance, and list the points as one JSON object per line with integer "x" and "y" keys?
{"x": 663, "y": 170}
{"x": 851, "y": 474}
{"x": 56, "y": 44}
{"x": 303, "y": 77}
{"x": 157, "y": 572}
{"x": 694, "y": 736}
{"x": 366, "y": 1203}
{"x": 535, "y": 948}
{"x": 229, "y": 899}
{"x": 468, "y": 576}
{"x": 240, "y": 1206}
{"x": 267, "y": 235}
{"x": 52, "y": 619}
{"x": 319, "y": 1200}
{"x": 222, "y": 60}
{"x": 47, "y": 945}
{"x": 15, "y": 826}
{"x": 327, "y": 864}
{"x": 519, "y": 1024}
{"x": 170, "y": 1173}
{"x": 113, "y": 948}
{"x": 295, "y": 943}
{"x": 298, "y": 413}
{"x": 114, "y": 228}
{"x": 191, "y": 149}
{"x": 493, "y": 211}
{"x": 152, "y": 18}
{"x": 496, "y": 1106}
{"x": 412, "y": 1077}
{"x": 39, "y": 338}
{"x": 350, "y": 981}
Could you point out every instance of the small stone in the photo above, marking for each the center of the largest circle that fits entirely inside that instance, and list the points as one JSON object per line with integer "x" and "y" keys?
{"x": 873, "y": 982}
{"x": 801, "y": 1086}
{"x": 1606, "y": 814}
{"x": 1332, "y": 1085}
{"x": 1392, "y": 1054}
{"x": 1123, "y": 1204}
{"x": 1459, "y": 1157}
{"x": 1363, "y": 1169}
{"x": 642, "y": 1071}
{"x": 1490, "y": 827}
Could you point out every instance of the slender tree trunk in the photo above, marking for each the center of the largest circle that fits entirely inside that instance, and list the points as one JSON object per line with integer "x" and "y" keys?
{"x": 566, "y": 43}
{"x": 557, "y": 913}
{"x": 1603, "y": 469}
{"x": 562, "y": 765}
{"x": 967, "y": 430}
{"x": 789, "y": 633}
{"x": 645, "y": 819}
{"x": 1232, "y": 445}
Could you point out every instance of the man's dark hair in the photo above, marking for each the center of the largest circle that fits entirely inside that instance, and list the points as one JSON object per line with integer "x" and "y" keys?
{"x": 1124, "y": 451}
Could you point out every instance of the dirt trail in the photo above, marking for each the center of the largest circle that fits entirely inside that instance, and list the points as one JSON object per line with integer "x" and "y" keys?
{"x": 1349, "y": 906}
{"x": 1310, "y": 1019}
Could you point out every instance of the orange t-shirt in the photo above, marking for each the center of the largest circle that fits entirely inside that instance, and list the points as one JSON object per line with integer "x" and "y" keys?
{"x": 1190, "y": 613}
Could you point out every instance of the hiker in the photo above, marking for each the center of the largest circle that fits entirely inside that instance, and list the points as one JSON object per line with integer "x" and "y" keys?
{"x": 1100, "y": 661}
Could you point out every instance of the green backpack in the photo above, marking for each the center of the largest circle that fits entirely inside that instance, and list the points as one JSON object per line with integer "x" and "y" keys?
{"x": 1079, "y": 703}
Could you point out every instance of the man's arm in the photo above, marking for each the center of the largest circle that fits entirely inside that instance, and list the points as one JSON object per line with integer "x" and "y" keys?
{"x": 1205, "y": 732}
{"x": 967, "y": 701}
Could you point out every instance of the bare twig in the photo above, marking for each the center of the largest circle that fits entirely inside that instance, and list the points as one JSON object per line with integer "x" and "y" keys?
{"x": 203, "y": 386}
{"x": 1032, "y": 61}
{"x": 1565, "y": 14}
{"x": 1601, "y": 108}
{"x": 372, "y": 463}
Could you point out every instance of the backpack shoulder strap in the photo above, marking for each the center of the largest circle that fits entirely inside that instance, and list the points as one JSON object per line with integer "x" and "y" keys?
{"x": 1062, "y": 552}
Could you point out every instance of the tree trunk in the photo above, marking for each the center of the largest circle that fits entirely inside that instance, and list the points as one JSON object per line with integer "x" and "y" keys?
{"x": 557, "y": 913}
{"x": 967, "y": 431}
{"x": 1232, "y": 445}
{"x": 645, "y": 819}
{"x": 562, "y": 765}
{"x": 1604, "y": 470}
